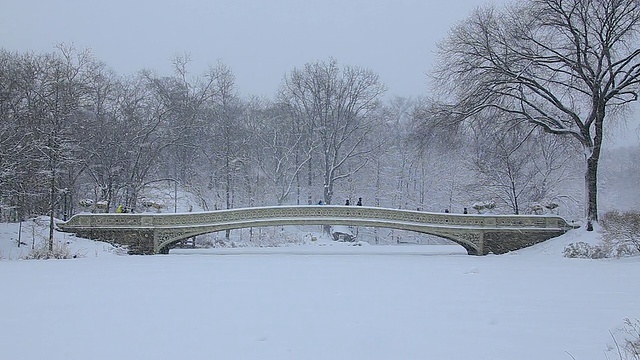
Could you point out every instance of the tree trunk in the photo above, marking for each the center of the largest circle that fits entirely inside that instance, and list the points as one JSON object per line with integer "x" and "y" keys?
{"x": 591, "y": 186}
{"x": 591, "y": 174}
{"x": 52, "y": 188}
{"x": 327, "y": 190}
{"x": 52, "y": 198}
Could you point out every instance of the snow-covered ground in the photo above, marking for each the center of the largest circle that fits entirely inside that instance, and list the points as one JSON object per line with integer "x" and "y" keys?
{"x": 316, "y": 301}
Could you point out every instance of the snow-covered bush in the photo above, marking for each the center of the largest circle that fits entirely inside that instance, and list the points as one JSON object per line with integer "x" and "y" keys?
{"x": 483, "y": 206}
{"x": 580, "y": 250}
{"x": 536, "y": 209}
{"x": 152, "y": 204}
{"x": 85, "y": 203}
{"x": 61, "y": 250}
{"x": 583, "y": 250}
{"x": 621, "y": 232}
{"x": 101, "y": 206}
{"x": 620, "y": 238}
{"x": 540, "y": 209}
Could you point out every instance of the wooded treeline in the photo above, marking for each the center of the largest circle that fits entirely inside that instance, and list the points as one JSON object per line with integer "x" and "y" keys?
{"x": 71, "y": 129}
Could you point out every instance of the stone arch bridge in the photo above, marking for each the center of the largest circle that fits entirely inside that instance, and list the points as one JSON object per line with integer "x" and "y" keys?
{"x": 147, "y": 233}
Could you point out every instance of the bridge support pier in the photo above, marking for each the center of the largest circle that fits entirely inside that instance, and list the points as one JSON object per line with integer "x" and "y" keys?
{"x": 470, "y": 250}
{"x": 503, "y": 242}
{"x": 138, "y": 242}
{"x": 500, "y": 242}
{"x": 472, "y": 241}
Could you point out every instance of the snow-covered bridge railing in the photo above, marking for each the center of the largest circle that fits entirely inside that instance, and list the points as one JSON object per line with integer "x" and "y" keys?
{"x": 479, "y": 234}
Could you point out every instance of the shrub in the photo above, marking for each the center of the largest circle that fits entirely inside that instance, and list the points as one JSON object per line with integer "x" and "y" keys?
{"x": 631, "y": 345}
{"x": 627, "y": 341}
{"x": 621, "y": 232}
{"x": 580, "y": 250}
{"x": 620, "y": 238}
{"x": 61, "y": 250}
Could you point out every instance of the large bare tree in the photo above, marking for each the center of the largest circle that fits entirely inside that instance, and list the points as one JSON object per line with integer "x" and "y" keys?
{"x": 336, "y": 105}
{"x": 562, "y": 65}
{"x": 280, "y": 154}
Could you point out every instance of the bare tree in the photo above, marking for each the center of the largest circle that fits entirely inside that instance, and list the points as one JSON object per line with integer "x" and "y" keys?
{"x": 14, "y": 139}
{"x": 127, "y": 143}
{"x": 399, "y": 157}
{"x": 184, "y": 96}
{"x": 336, "y": 107}
{"x": 519, "y": 167}
{"x": 227, "y": 142}
{"x": 278, "y": 144}
{"x": 562, "y": 65}
{"x": 60, "y": 94}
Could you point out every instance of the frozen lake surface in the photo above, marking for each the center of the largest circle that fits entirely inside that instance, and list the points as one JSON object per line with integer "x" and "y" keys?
{"x": 317, "y": 302}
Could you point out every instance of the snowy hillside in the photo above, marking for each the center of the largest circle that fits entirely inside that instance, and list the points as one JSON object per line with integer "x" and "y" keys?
{"x": 33, "y": 235}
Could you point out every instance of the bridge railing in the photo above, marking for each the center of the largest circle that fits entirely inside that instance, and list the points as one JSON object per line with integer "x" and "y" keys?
{"x": 151, "y": 220}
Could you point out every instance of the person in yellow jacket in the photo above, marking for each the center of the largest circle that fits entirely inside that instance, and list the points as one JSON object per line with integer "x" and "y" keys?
{"x": 119, "y": 209}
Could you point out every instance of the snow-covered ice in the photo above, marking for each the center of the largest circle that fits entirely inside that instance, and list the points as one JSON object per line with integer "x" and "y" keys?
{"x": 327, "y": 301}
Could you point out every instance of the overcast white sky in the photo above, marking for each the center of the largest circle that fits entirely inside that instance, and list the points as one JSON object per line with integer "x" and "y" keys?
{"x": 260, "y": 40}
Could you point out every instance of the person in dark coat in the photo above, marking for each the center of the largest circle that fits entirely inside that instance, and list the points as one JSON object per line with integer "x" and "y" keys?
{"x": 359, "y": 202}
{"x": 347, "y": 203}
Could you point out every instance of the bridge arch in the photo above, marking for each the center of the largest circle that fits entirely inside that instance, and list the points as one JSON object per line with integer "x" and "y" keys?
{"x": 171, "y": 238}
